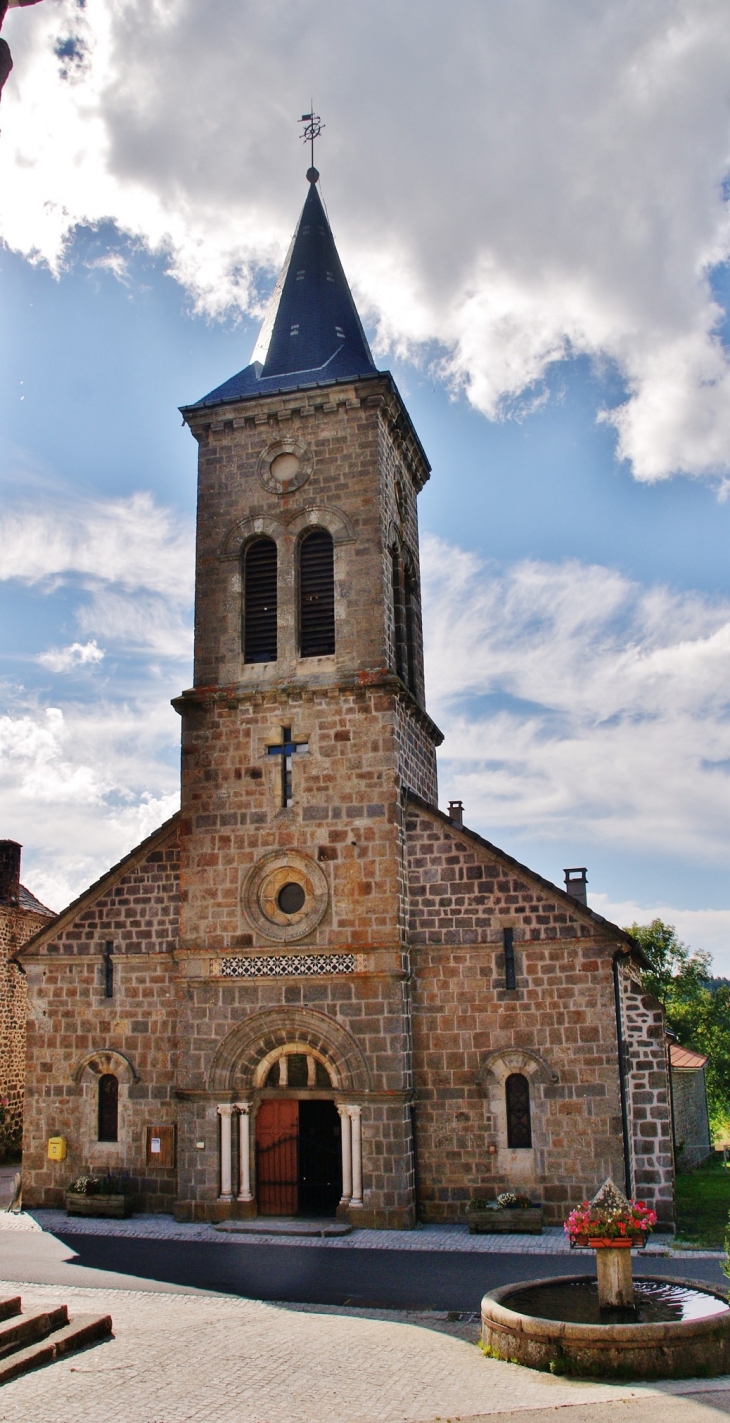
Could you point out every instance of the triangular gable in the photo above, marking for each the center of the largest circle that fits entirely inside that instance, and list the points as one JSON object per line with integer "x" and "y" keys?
{"x": 581, "y": 911}
{"x": 102, "y": 886}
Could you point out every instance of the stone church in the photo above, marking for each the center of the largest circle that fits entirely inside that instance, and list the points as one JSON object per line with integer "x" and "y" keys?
{"x": 312, "y": 991}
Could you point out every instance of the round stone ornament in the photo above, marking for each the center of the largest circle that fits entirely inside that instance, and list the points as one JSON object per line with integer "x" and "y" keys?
{"x": 285, "y": 896}
{"x": 284, "y": 465}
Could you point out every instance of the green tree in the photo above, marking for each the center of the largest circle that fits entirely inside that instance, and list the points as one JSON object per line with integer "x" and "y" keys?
{"x": 697, "y": 1013}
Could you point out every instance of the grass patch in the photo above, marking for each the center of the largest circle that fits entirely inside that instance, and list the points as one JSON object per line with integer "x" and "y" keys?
{"x": 703, "y": 1204}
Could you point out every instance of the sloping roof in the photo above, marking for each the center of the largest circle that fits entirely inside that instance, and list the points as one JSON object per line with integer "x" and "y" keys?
{"x": 60, "y": 921}
{"x": 28, "y": 901}
{"x": 312, "y": 333}
{"x": 686, "y": 1057}
{"x": 546, "y": 884}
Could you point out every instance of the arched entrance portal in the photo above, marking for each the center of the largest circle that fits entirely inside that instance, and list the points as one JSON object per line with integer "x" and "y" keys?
{"x": 290, "y": 1132}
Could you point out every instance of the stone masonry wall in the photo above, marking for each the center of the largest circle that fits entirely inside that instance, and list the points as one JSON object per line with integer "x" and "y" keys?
{"x": 75, "y": 1032}
{"x": 341, "y": 436}
{"x": 16, "y": 927}
{"x": 648, "y": 1100}
{"x": 365, "y": 1008}
{"x": 691, "y": 1124}
{"x": 345, "y": 814}
{"x": 557, "y": 1028}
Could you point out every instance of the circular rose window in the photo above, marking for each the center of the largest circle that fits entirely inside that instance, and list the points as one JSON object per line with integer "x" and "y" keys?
{"x": 284, "y": 465}
{"x": 285, "y": 896}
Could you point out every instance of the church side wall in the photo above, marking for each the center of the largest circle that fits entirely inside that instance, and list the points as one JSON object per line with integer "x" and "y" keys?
{"x": 76, "y": 1033}
{"x": 649, "y": 1108}
{"x": 16, "y": 927}
{"x": 556, "y": 1028}
{"x": 691, "y": 1122}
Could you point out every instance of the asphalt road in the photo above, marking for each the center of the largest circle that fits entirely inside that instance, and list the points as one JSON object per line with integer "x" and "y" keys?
{"x": 388, "y": 1279}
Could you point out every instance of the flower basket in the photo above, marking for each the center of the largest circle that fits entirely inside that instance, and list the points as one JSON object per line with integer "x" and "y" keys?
{"x": 610, "y": 1222}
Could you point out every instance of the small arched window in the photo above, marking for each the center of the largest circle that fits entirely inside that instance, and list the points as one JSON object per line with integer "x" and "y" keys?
{"x": 519, "y": 1131}
{"x": 259, "y": 601}
{"x": 108, "y": 1107}
{"x": 316, "y": 595}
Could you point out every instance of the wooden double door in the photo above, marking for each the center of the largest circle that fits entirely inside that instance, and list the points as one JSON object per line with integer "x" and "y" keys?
{"x": 298, "y": 1158}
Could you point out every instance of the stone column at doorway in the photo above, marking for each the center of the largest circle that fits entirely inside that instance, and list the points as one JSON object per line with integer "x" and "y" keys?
{"x": 345, "y": 1128}
{"x": 225, "y": 1112}
{"x": 244, "y": 1150}
{"x": 355, "y": 1120}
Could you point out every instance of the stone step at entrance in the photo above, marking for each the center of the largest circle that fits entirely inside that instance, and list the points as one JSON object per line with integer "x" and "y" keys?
{"x": 29, "y": 1338}
{"x": 278, "y": 1225}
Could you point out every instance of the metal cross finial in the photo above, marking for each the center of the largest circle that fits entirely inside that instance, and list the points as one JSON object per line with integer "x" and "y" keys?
{"x": 312, "y": 129}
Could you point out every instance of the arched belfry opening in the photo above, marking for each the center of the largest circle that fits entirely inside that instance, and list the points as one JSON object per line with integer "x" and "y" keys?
{"x": 317, "y": 594}
{"x": 260, "y": 604}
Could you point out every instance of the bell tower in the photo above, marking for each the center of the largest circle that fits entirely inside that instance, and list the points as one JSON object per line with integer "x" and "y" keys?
{"x": 306, "y": 723}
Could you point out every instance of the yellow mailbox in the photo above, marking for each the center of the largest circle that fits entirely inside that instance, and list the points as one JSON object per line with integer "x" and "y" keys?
{"x": 56, "y": 1148}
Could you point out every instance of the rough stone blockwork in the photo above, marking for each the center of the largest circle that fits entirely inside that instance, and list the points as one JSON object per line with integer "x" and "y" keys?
{"x": 17, "y": 925}
{"x": 557, "y": 1027}
{"x": 76, "y": 1033}
{"x": 648, "y": 1101}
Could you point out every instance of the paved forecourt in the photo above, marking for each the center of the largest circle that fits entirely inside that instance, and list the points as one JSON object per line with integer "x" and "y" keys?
{"x": 214, "y": 1359}
{"x": 553, "y": 1240}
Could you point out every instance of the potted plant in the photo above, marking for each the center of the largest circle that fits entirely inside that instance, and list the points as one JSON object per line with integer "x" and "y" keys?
{"x": 108, "y": 1195}
{"x": 511, "y": 1213}
{"x": 609, "y": 1222}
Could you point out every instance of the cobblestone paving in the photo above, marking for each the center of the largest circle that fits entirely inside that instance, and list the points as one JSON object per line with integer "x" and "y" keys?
{"x": 429, "y": 1237}
{"x": 214, "y": 1359}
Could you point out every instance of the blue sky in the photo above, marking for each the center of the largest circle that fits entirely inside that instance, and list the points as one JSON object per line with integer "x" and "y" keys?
{"x": 567, "y": 382}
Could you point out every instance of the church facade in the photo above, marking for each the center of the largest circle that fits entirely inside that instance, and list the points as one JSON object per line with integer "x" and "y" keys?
{"x": 312, "y": 991}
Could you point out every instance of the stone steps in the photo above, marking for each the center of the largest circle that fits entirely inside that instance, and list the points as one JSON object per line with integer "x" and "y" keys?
{"x": 31, "y": 1338}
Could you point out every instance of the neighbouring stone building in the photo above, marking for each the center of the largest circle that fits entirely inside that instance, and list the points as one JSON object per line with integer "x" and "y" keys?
{"x": 21, "y": 916}
{"x": 313, "y": 991}
{"x": 690, "y": 1116}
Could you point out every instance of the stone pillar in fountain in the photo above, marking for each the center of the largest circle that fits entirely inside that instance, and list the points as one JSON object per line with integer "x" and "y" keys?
{"x": 613, "y": 1263}
{"x": 615, "y": 1278}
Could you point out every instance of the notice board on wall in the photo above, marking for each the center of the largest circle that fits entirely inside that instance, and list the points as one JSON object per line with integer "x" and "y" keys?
{"x": 161, "y": 1146}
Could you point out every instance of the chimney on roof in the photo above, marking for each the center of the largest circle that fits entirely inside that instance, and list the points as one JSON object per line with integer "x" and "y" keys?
{"x": 456, "y": 812}
{"x": 576, "y": 884}
{"x": 10, "y": 872}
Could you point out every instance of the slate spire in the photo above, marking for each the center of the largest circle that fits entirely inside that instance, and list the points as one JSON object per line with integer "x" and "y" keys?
{"x": 312, "y": 334}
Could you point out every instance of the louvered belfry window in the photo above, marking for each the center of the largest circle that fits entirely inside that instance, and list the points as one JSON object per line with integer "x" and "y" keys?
{"x": 316, "y": 595}
{"x": 519, "y": 1130}
{"x": 259, "y": 601}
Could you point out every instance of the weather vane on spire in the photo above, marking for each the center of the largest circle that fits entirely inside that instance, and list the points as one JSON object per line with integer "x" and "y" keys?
{"x": 312, "y": 129}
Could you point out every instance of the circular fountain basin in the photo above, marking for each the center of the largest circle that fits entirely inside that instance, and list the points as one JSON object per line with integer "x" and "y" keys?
{"x": 678, "y": 1328}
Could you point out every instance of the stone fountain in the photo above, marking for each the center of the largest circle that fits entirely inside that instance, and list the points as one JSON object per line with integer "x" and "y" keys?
{"x": 609, "y": 1325}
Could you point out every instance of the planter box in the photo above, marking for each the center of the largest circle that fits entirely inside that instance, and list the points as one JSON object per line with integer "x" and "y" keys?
{"x": 506, "y": 1221}
{"x": 115, "y": 1206}
{"x": 604, "y": 1242}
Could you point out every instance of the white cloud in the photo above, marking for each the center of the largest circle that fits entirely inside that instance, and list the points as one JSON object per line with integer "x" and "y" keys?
{"x": 580, "y": 706}
{"x": 67, "y": 659}
{"x": 83, "y": 780}
{"x": 699, "y": 928}
{"x": 515, "y": 183}
{"x": 132, "y": 542}
{"x": 80, "y": 786}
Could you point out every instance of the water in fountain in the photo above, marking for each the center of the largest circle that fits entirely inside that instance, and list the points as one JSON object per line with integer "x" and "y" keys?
{"x": 576, "y": 1302}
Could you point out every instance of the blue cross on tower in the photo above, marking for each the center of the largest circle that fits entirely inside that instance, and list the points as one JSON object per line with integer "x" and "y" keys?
{"x": 287, "y": 749}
